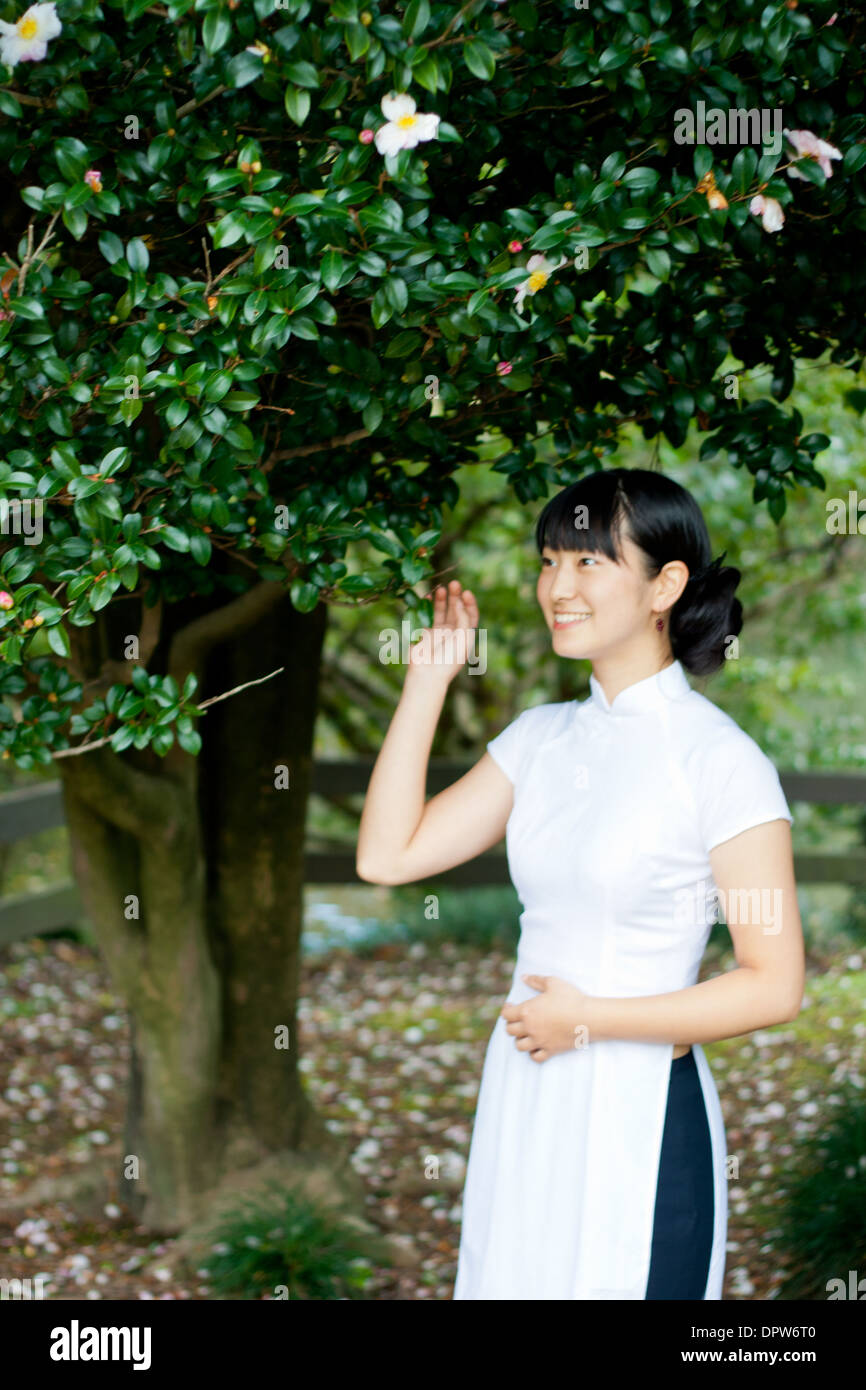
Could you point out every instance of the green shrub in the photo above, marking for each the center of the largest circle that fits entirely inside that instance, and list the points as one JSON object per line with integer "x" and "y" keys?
{"x": 280, "y": 1238}
{"x": 822, "y": 1229}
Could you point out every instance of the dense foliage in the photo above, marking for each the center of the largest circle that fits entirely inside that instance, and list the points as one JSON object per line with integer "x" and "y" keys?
{"x": 239, "y": 337}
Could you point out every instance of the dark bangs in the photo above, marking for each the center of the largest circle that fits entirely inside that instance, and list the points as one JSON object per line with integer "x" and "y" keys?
{"x": 588, "y": 515}
{"x": 659, "y": 515}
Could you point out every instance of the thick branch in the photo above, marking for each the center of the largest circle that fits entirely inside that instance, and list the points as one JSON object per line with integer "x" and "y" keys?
{"x": 126, "y": 796}
{"x": 302, "y": 450}
{"x": 191, "y": 644}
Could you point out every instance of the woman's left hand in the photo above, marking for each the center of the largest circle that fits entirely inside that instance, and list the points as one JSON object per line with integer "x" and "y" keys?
{"x": 557, "y": 1020}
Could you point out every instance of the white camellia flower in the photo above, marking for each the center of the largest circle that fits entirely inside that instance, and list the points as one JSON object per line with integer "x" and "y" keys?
{"x": 26, "y": 41}
{"x": 406, "y": 126}
{"x": 540, "y": 269}
{"x": 770, "y": 212}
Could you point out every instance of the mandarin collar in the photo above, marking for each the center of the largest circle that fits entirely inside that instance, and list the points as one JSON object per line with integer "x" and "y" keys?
{"x": 670, "y": 683}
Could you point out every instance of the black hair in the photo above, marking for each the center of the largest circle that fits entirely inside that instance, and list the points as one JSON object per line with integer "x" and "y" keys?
{"x": 665, "y": 521}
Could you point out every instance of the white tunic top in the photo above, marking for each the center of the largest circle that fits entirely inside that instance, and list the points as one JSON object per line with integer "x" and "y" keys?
{"x": 616, "y": 808}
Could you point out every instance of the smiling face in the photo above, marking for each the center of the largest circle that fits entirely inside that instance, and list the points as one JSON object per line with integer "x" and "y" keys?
{"x": 593, "y": 605}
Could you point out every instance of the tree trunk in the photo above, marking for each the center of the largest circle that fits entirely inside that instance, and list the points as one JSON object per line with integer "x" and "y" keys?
{"x": 191, "y": 871}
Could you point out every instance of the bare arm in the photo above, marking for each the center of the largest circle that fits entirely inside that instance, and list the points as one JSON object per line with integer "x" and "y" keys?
{"x": 755, "y": 873}
{"x": 400, "y": 839}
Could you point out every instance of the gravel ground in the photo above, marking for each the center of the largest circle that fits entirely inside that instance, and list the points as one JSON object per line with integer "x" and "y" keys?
{"x": 392, "y": 1047}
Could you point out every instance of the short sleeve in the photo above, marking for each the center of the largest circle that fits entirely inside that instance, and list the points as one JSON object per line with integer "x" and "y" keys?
{"x": 738, "y": 788}
{"x": 506, "y": 749}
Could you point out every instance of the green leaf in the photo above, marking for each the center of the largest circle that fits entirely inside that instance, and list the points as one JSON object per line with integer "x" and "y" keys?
{"x": 658, "y": 263}
{"x": 855, "y": 158}
{"x": 28, "y": 307}
{"x": 304, "y": 328}
{"x": 122, "y": 737}
{"x": 72, "y": 158}
{"x": 175, "y": 539}
{"x": 408, "y": 341}
{"x": 58, "y": 640}
{"x": 614, "y": 57}
{"x": 416, "y": 18}
{"x": 743, "y": 168}
{"x": 215, "y": 31}
{"x": 302, "y": 74}
{"x": 137, "y": 254}
{"x": 673, "y": 56}
{"x": 228, "y": 230}
{"x": 426, "y": 74}
{"x": 478, "y": 58}
{"x": 243, "y": 69}
{"x": 372, "y": 416}
{"x": 297, "y": 103}
{"x": 75, "y": 220}
{"x": 159, "y": 151}
{"x": 613, "y": 166}
{"x": 176, "y": 412}
{"x": 304, "y": 596}
{"x": 111, "y": 247}
{"x": 200, "y": 548}
{"x": 641, "y": 179}
{"x": 190, "y": 741}
{"x": 9, "y": 106}
{"x": 331, "y": 269}
{"x": 397, "y": 293}
{"x": 357, "y": 41}
{"x": 813, "y": 443}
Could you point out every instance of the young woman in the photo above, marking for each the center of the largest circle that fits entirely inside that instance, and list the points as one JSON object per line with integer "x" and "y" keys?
{"x": 597, "y": 1163}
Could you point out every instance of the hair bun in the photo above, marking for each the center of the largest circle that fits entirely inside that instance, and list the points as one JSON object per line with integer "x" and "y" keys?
{"x": 706, "y": 616}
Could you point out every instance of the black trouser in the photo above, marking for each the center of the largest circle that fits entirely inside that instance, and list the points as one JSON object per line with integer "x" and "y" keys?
{"x": 684, "y": 1207}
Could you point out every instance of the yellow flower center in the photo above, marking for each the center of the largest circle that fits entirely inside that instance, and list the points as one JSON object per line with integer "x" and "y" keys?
{"x": 406, "y": 122}
{"x": 537, "y": 281}
{"x": 27, "y": 27}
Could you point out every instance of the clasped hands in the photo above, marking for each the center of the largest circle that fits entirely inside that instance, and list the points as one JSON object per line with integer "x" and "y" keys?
{"x": 557, "y": 1020}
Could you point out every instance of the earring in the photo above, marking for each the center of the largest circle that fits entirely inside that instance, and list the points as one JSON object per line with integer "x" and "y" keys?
{"x": 659, "y": 624}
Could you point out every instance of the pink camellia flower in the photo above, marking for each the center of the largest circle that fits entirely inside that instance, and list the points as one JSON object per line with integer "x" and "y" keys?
{"x": 503, "y": 368}
{"x": 26, "y": 41}
{"x": 808, "y": 145}
{"x": 770, "y": 212}
{"x": 6, "y": 600}
{"x": 406, "y": 126}
{"x": 94, "y": 178}
{"x": 515, "y": 246}
{"x": 366, "y": 136}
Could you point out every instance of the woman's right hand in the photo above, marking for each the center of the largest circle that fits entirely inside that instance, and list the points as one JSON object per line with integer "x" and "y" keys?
{"x": 444, "y": 648}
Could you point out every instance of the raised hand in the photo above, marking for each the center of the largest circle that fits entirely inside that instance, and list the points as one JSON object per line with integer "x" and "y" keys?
{"x": 444, "y": 648}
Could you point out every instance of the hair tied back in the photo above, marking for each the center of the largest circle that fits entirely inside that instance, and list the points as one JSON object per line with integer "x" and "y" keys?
{"x": 710, "y": 572}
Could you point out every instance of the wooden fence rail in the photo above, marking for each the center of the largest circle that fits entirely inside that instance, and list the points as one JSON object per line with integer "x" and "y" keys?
{"x": 33, "y": 809}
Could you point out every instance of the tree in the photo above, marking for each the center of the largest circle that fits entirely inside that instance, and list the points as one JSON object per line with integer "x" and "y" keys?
{"x": 259, "y": 310}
